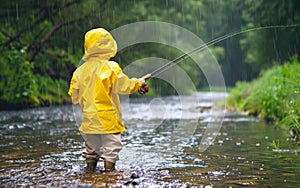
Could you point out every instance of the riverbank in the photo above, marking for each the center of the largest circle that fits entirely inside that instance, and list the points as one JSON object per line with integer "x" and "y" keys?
{"x": 274, "y": 96}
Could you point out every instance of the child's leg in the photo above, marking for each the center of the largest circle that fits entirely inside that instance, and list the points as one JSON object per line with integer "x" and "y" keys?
{"x": 112, "y": 145}
{"x": 93, "y": 143}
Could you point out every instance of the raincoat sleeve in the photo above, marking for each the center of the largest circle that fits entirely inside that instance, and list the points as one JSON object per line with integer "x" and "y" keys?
{"x": 74, "y": 89}
{"x": 123, "y": 84}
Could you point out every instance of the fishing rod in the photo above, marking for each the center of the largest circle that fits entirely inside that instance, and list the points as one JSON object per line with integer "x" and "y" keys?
{"x": 210, "y": 43}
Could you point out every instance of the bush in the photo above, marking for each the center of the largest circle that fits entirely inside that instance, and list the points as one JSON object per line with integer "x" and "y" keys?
{"x": 20, "y": 88}
{"x": 274, "y": 96}
{"x": 237, "y": 96}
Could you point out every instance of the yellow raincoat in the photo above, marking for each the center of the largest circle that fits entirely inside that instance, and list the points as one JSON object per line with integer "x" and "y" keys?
{"x": 95, "y": 85}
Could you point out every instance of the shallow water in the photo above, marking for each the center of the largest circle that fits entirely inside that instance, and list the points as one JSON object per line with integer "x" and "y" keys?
{"x": 166, "y": 144}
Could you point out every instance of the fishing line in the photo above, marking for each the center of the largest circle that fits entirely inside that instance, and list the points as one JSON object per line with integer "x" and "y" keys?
{"x": 175, "y": 61}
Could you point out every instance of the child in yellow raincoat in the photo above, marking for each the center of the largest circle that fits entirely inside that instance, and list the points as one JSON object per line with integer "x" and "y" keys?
{"x": 95, "y": 85}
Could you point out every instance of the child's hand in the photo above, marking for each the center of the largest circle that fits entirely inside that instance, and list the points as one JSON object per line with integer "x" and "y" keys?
{"x": 144, "y": 89}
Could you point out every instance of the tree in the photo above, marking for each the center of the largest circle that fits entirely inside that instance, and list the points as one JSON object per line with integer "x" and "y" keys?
{"x": 265, "y": 47}
{"x": 35, "y": 41}
{"x": 42, "y": 41}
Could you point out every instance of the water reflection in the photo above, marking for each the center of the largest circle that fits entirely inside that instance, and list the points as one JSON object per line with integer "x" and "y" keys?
{"x": 43, "y": 147}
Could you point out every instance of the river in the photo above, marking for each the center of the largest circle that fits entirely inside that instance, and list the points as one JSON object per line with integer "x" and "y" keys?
{"x": 169, "y": 142}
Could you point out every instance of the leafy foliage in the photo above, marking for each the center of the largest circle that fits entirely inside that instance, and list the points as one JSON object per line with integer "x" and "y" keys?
{"x": 17, "y": 83}
{"x": 237, "y": 96}
{"x": 20, "y": 87}
{"x": 264, "y": 48}
{"x": 274, "y": 96}
{"x": 42, "y": 41}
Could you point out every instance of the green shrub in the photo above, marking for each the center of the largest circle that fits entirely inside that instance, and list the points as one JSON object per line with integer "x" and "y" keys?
{"x": 20, "y": 87}
{"x": 237, "y": 96}
{"x": 274, "y": 96}
{"x": 52, "y": 91}
{"x": 267, "y": 96}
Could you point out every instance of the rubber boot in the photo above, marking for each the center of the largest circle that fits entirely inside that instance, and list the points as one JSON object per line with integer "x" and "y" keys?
{"x": 91, "y": 165}
{"x": 109, "y": 166}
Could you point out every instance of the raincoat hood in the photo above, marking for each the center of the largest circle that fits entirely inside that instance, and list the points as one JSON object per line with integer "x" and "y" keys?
{"x": 99, "y": 43}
